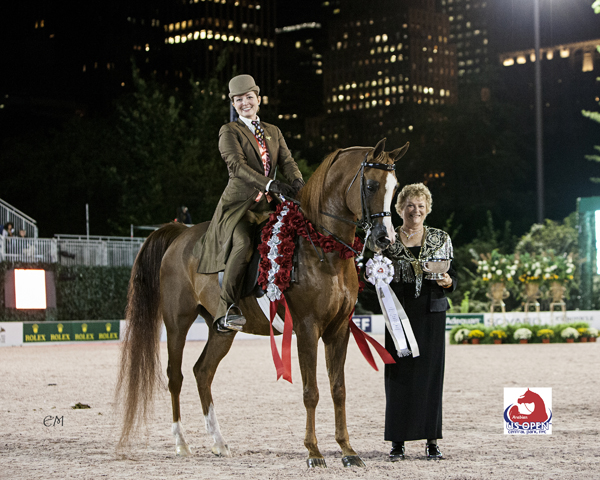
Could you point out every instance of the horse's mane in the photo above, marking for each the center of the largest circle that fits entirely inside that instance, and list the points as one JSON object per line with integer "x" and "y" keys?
{"x": 310, "y": 197}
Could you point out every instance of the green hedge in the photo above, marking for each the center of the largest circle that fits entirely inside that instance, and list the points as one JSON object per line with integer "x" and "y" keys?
{"x": 510, "y": 330}
{"x": 82, "y": 293}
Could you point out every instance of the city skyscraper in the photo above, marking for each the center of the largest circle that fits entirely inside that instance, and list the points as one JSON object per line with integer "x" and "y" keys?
{"x": 384, "y": 59}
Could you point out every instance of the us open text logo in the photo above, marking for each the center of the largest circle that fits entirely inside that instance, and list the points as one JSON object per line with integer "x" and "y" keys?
{"x": 528, "y": 411}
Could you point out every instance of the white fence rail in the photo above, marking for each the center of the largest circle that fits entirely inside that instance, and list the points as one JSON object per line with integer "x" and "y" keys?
{"x": 97, "y": 251}
{"x": 10, "y": 214}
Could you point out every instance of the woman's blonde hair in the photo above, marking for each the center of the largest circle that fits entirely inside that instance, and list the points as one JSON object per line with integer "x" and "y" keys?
{"x": 414, "y": 190}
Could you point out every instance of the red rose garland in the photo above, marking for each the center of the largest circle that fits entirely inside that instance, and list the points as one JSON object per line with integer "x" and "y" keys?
{"x": 277, "y": 248}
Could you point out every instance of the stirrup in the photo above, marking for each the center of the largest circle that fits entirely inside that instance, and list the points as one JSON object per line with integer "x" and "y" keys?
{"x": 231, "y": 322}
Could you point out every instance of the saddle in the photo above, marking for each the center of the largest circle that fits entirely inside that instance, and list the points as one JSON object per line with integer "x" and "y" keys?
{"x": 251, "y": 286}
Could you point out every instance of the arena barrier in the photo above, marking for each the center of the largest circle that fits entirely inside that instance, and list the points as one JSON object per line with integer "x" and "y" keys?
{"x": 69, "y": 332}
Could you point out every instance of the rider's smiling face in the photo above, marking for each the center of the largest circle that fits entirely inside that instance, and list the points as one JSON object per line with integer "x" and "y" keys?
{"x": 246, "y": 105}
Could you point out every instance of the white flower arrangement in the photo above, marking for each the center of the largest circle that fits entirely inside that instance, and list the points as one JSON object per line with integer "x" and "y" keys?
{"x": 592, "y": 332}
{"x": 522, "y": 334}
{"x": 569, "y": 332}
{"x": 461, "y": 335}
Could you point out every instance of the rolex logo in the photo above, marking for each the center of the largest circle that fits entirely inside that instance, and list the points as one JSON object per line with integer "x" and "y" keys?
{"x": 60, "y": 327}
{"x": 84, "y": 327}
{"x": 35, "y": 327}
{"x": 108, "y": 326}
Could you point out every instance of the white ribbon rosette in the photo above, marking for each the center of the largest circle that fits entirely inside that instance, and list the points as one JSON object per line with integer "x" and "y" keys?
{"x": 380, "y": 272}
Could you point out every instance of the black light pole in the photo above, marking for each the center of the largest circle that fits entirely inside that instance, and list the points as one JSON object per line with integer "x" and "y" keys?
{"x": 538, "y": 115}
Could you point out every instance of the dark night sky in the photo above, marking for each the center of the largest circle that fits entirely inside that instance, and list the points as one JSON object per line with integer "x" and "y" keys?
{"x": 561, "y": 21}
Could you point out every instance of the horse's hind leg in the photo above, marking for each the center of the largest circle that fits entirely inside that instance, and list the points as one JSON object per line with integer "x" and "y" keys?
{"x": 335, "y": 354}
{"x": 176, "y": 335}
{"x": 216, "y": 348}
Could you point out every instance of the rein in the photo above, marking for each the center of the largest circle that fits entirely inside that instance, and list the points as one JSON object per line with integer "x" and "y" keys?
{"x": 365, "y": 222}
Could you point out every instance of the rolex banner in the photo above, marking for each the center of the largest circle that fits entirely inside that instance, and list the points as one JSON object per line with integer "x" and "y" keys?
{"x": 70, "y": 331}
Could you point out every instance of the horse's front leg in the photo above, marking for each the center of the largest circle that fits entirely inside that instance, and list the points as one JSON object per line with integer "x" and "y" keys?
{"x": 307, "y": 340}
{"x": 336, "y": 346}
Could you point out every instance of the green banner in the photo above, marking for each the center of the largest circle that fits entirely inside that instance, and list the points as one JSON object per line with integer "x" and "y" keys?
{"x": 453, "y": 319}
{"x": 93, "y": 331}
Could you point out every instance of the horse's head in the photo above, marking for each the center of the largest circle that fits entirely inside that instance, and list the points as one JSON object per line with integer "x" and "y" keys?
{"x": 377, "y": 182}
{"x": 529, "y": 397}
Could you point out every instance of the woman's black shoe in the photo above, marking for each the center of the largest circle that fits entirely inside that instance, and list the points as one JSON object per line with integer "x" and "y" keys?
{"x": 397, "y": 452}
{"x": 433, "y": 452}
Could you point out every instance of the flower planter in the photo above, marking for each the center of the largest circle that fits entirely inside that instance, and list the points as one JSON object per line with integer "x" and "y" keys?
{"x": 545, "y": 340}
{"x": 523, "y": 340}
{"x": 570, "y": 340}
{"x": 497, "y": 341}
{"x": 592, "y": 339}
{"x": 465, "y": 342}
{"x": 583, "y": 339}
{"x": 475, "y": 341}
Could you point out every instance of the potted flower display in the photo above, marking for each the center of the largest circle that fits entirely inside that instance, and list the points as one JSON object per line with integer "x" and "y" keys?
{"x": 569, "y": 334}
{"x": 462, "y": 335}
{"x": 593, "y": 334}
{"x": 583, "y": 334}
{"x": 475, "y": 335}
{"x": 559, "y": 270}
{"x": 530, "y": 270}
{"x": 545, "y": 334}
{"x": 522, "y": 335}
{"x": 498, "y": 336}
{"x": 497, "y": 271}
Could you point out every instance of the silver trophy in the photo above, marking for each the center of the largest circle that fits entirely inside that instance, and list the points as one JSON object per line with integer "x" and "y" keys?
{"x": 435, "y": 268}
{"x": 439, "y": 263}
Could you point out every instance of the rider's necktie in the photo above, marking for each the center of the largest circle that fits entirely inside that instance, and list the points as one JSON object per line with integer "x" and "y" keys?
{"x": 259, "y": 133}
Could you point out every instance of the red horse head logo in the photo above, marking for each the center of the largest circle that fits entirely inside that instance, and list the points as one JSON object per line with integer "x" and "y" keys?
{"x": 538, "y": 414}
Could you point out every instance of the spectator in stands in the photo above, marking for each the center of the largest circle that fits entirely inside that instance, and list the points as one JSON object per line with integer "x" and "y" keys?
{"x": 183, "y": 215}
{"x": 22, "y": 233}
{"x": 9, "y": 230}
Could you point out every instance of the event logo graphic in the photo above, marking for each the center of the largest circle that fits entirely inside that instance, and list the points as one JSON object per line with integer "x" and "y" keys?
{"x": 527, "y": 411}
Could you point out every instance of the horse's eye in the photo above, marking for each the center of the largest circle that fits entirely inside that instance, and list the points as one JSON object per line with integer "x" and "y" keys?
{"x": 372, "y": 186}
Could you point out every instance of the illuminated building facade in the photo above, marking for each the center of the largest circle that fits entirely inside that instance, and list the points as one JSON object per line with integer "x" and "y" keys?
{"x": 386, "y": 59}
{"x": 197, "y": 32}
{"x": 469, "y": 31}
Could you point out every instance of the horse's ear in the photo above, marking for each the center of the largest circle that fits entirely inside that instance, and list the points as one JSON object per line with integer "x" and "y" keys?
{"x": 399, "y": 152}
{"x": 379, "y": 148}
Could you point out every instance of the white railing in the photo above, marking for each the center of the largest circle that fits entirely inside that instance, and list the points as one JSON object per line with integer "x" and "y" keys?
{"x": 74, "y": 250}
{"x": 10, "y": 214}
{"x": 32, "y": 250}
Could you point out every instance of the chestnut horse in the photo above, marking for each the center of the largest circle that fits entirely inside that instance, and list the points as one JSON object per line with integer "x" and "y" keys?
{"x": 348, "y": 186}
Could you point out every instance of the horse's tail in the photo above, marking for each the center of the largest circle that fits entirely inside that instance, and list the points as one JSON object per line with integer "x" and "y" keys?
{"x": 140, "y": 354}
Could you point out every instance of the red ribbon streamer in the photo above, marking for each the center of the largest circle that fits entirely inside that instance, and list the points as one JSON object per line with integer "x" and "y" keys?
{"x": 361, "y": 340}
{"x": 283, "y": 364}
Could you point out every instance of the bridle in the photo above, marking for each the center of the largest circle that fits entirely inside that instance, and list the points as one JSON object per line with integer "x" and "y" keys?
{"x": 366, "y": 220}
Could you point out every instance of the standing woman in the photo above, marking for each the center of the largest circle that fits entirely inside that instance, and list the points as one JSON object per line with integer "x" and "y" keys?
{"x": 413, "y": 386}
{"x": 253, "y": 151}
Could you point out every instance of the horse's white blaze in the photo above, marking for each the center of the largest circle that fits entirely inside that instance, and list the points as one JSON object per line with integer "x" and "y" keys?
{"x": 181, "y": 445}
{"x": 212, "y": 427}
{"x": 390, "y": 186}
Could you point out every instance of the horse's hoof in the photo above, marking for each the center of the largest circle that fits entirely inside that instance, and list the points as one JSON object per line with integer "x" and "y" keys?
{"x": 352, "y": 461}
{"x": 183, "y": 450}
{"x": 221, "y": 451}
{"x": 316, "y": 463}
